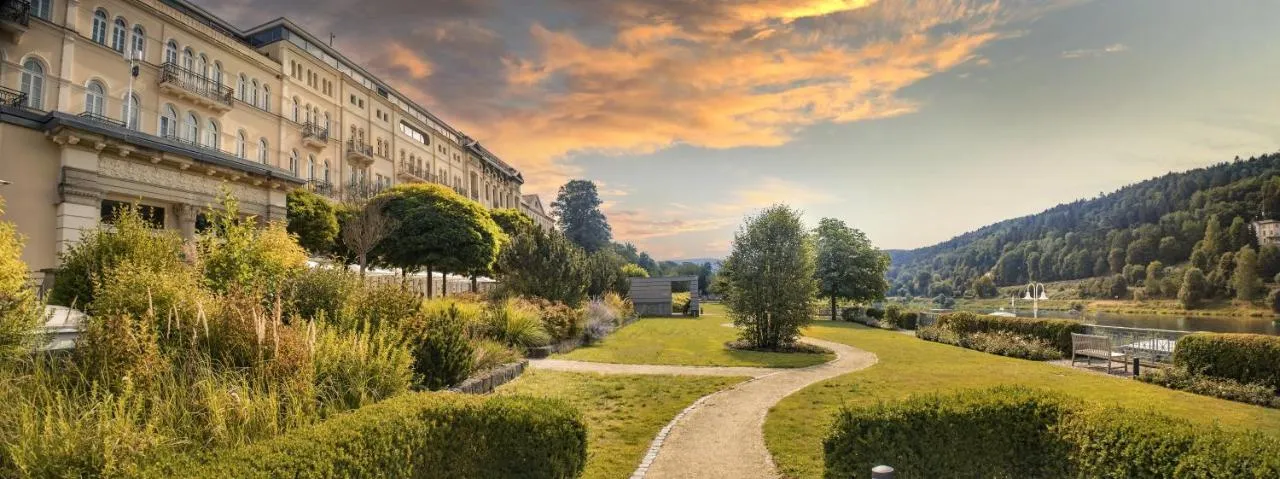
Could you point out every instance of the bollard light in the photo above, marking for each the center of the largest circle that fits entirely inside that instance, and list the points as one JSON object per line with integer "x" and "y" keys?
{"x": 882, "y": 472}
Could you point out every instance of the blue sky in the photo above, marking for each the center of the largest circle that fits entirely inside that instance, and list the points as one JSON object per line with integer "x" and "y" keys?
{"x": 913, "y": 121}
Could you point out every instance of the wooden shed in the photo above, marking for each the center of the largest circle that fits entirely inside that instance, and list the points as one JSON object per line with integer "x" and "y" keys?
{"x": 652, "y": 296}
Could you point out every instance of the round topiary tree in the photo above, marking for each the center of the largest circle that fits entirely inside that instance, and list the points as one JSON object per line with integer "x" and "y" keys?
{"x": 437, "y": 230}
{"x": 313, "y": 220}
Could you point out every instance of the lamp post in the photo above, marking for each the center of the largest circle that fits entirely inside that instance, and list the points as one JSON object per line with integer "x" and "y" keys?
{"x": 1035, "y": 292}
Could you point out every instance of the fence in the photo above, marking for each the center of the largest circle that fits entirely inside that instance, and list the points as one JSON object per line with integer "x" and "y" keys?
{"x": 1155, "y": 345}
{"x": 439, "y": 286}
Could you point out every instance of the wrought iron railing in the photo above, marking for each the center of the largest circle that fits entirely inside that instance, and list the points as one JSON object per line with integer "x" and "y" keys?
{"x": 360, "y": 147}
{"x": 321, "y": 187}
{"x": 362, "y": 190}
{"x": 12, "y": 98}
{"x": 312, "y": 130}
{"x": 17, "y": 11}
{"x": 417, "y": 171}
{"x": 100, "y": 118}
{"x": 196, "y": 83}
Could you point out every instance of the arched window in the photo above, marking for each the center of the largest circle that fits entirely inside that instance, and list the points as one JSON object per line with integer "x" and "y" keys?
{"x": 130, "y": 112}
{"x": 243, "y": 87}
{"x": 188, "y": 59}
{"x": 171, "y": 52}
{"x": 118, "y": 33}
{"x": 253, "y": 92}
{"x": 293, "y": 162}
{"x": 42, "y": 8}
{"x": 266, "y": 97}
{"x": 326, "y": 121}
{"x": 202, "y": 65}
{"x": 138, "y": 42}
{"x": 33, "y": 83}
{"x": 264, "y": 153}
{"x": 295, "y": 109}
{"x": 211, "y": 138}
{"x": 99, "y": 34}
{"x": 308, "y": 109}
{"x": 168, "y": 122}
{"x": 191, "y": 129}
{"x": 216, "y": 75}
{"x": 95, "y": 98}
{"x": 311, "y": 167}
{"x": 240, "y": 144}
{"x": 326, "y": 171}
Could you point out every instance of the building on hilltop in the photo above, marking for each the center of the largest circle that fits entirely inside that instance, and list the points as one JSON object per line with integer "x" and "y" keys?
{"x": 532, "y": 205}
{"x": 1268, "y": 232}
{"x": 208, "y": 106}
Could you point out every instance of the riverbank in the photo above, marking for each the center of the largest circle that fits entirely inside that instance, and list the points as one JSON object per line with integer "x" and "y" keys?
{"x": 1218, "y": 308}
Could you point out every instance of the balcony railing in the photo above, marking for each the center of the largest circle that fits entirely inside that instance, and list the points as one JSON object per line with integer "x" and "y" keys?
{"x": 16, "y": 11}
{"x": 12, "y": 98}
{"x": 312, "y": 130}
{"x": 363, "y": 190}
{"x": 197, "y": 85}
{"x": 322, "y": 187}
{"x": 359, "y": 150}
{"x": 100, "y": 118}
{"x": 417, "y": 172}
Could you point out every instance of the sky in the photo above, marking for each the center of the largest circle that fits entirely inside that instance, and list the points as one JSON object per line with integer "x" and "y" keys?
{"x": 913, "y": 121}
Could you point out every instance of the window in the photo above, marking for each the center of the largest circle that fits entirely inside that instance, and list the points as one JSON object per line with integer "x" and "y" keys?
{"x": 152, "y": 215}
{"x": 295, "y": 109}
{"x": 311, "y": 167}
{"x": 211, "y": 138}
{"x": 118, "y": 33}
{"x": 42, "y": 8}
{"x": 191, "y": 128}
{"x": 168, "y": 122}
{"x": 353, "y": 99}
{"x": 266, "y": 97}
{"x": 264, "y": 154}
{"x": 217, "y": 73}
{"x": 188, "y": 59}
{"x": 309, "y": 117}
{"x": 242, "y": 87}
{"x": 130, "y": 112}
{"x": 326, "y": 171}
{"x": 99, "y": 34}
{"x": 253, "y": 92}
{"x": 202, "y": 65}
{"x": 171, "y": 52}
{"x": 139, "y": 42}
{"x": 412, "y": 132}
{"x": 326, "y": 121}
{"x": 240, "y": 144}
{"x": 95, "y": 98}
{"x": 293, "y": 162}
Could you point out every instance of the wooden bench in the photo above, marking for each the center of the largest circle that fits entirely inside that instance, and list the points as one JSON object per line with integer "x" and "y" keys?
{"x": 1093, "y": 346}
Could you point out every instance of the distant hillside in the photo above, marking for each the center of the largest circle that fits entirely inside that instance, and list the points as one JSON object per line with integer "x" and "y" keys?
{"x": 1164, "y": 219}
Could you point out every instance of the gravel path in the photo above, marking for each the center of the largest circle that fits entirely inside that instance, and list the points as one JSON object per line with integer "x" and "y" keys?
{"x": 721, "y": 435}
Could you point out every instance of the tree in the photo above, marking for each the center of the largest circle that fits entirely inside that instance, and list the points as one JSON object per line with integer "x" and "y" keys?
{"x": 1155, "y": 271}
{"x": 511, "y": 221}
{"x": 1115, "y": 260}
{"x": 922, "y": 281}
{"x": 1268, "y": 261}
{"x": 577, "y": 211}
{"x": 313, "y": 220}
{"x": 1215, "y": 240}
{"x": 1240, "y": 234}
{"x": 705, "y": 272}
{"x": 771, "y": 278}
{"x": 1245, "y": 277}
{"x": 849, "y": 267}
{"x": 544, "y": 264}
{"x": 1193, "y": 290}
{"x": 1170, "y": 250}
{"x": 438, "y": 230}
{"x": 632, "y": 270}
{"x": 1118, "y": 287}
{"x": 604, "y": 273}
{"x": 984, "y": 287}
{"x": 1141, "y": 252}
{"x": 363, "y": 226}
{"x": 1273, "y": 300}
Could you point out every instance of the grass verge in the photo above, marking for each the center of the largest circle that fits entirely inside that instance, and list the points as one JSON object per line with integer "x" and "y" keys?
{"x": 688, "y": 342}
{"x": 796, "y": 426}
{"x": 623, "y": 412}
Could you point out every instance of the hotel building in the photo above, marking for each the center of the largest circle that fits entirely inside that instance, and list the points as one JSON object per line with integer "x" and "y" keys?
{"x": 206, "y": 106}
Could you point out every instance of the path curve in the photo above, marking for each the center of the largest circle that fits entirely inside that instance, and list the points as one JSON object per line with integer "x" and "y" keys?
{"x": 721, "y": 435}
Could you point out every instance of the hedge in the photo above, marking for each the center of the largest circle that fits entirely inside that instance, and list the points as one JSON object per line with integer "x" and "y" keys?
{"x": 1056, "y": 331}
{"x": 1019, "y": 432}
{"x": 437, "y": 435}
{"x": 1247, "y": 358}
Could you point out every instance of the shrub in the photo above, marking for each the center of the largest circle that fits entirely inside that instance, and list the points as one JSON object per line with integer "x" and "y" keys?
{"x": 874, "y": 313}
{"x": 119, "y": 353}
{"x": 313, "y": 219}
{"x": 897, "y": 318}
{"x": 355, "y": 369}
{"x": 559, "y": 320}
{"x": 437, "y": 335}
{"x": 20, "y": 312}
{"x": 515, "y": 324}
{"x": 601, "y": 320}
{"x": 1273, "y": 300}
{"x": 236, "y": 254}
{"x": 1054, "y": 331}
{"x": 852, "y": 313}
{"x": 376, "y": 305}
{"x": 680, "y": 302}
{"x": 1017, "y": 432}
{"x": 246, "y": 336}
{"x": 170, "y": 298}
{"x": 129, "y": 238}
{"x": 333, "y": 294}
{"x": 417, "y": 435}
{"x": 938, "y": 335}
{"x": 1231, "y": 390}
{"x": 1013, "y": 345}
{"x": 1247, "y": 358}
{"x": 624, "y": 308}
{"x": 490, "y": 354}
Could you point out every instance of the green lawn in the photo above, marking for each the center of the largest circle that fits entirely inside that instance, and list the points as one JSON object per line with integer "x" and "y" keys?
{"x": 795, "y": 427}
{"x": 623, "y": 413}
{"x": 685, "y": 341}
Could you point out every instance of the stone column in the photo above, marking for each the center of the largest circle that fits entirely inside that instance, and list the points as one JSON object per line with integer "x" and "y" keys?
{"x": 186, "y": 215}
{"x": 65, "y": 94}
{"x": 80, "y": 195}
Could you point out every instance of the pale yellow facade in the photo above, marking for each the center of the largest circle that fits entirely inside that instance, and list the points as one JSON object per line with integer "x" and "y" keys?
{"x": 256, "y": 112}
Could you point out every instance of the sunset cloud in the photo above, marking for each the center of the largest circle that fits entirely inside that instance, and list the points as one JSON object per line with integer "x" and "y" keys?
{"x": 1095, "y": 52}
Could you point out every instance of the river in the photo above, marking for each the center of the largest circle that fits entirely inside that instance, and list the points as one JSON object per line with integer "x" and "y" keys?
{"x": 1214, "y": 324}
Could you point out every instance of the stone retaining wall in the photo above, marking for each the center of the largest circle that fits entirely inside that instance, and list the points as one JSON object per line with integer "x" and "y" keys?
{"x": 488, "y": 381}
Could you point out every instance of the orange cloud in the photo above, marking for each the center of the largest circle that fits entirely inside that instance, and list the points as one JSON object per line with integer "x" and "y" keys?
{"x": 418, "y": 67}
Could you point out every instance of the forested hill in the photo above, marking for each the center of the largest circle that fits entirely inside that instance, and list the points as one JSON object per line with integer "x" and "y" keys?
{"x": 1161, "y": 219}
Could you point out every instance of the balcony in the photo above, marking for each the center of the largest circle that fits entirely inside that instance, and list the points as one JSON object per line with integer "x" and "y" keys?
{"x": 12, "y": 98}
{"x": 359, "y": 153}
{"x": 362, "y": 190}
{"x": 101, "y": 119}
{"x": 322, "y": 187}
{"x": 415, "y": 174}
{"x": 315, "y": 136}
{"x": 194, "y": 87}
{"x": 15, "y": 17}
